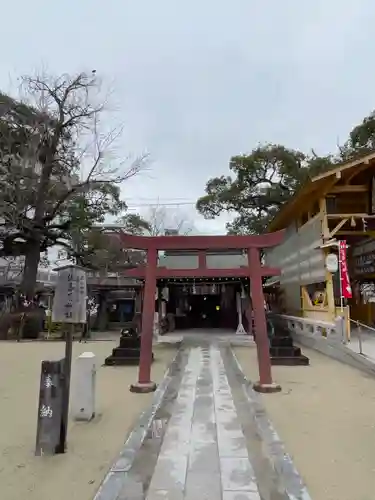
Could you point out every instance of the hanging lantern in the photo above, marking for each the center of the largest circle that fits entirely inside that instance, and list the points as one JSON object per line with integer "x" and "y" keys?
{"x": 194, "y": 290}
{"x": 223, "y": 288}
{"x": 213, "y": 289}
{"x": 243, "y": 294}
{"x": 184, "y": 289}
{"x": 165, "y": 294}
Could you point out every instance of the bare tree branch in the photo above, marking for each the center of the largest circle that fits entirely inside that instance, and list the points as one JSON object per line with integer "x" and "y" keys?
{"x": 56, "y": 175}
{"x": 156, "y": 221}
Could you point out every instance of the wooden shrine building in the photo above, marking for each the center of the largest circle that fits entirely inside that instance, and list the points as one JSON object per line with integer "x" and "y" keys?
{"x": 332, "y": 209}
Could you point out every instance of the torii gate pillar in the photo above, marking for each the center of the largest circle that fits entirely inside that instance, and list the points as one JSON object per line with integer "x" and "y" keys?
{"x": 144, "y": 383}
{"x": 265, "y": 383}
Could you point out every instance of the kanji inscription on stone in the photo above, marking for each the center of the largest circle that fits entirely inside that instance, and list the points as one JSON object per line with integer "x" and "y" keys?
{"x": 49, "y": 408}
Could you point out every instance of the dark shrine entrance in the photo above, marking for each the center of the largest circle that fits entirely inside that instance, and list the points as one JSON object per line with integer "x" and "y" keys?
{"x": 205, "y": 311}
{"x": 151, "y": 273}
{"x": 203, "y": 304}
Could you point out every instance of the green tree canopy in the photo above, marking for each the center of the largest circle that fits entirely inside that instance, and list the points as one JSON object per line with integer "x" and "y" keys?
{"x": 270, "y": 175}
{"x": 361, "y": 139}
{"x": 101, "y": 248}
{"x": 262, "y": 182}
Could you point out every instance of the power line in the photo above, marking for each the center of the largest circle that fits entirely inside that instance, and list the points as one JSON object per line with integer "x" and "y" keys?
{"x": 157, "y": 198}
{"x": 172, "y": 204}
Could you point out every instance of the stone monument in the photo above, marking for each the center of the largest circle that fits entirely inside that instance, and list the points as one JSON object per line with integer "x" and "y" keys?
{"x": 129, "y": 350}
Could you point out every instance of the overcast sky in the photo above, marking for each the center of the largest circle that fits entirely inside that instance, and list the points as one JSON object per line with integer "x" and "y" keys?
{"x": 198, "y": 81}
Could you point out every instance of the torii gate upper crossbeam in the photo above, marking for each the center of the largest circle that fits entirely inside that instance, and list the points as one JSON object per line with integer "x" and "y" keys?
{"x": 222, "y": 242}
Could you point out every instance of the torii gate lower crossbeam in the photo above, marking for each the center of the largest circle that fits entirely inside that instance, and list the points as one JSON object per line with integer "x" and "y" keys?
{"x": 151, "y": 272}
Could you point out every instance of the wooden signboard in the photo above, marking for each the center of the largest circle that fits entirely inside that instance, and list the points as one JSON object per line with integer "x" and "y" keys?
{"x": 69, "y": 308}
{"x": 69, "y": 303}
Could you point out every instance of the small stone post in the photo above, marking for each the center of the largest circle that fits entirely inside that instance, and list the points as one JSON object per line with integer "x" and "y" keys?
{"x": 83, "y": 401}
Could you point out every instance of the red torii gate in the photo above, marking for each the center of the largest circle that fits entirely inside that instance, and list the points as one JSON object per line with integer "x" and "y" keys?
{"x": 201, "y": 244}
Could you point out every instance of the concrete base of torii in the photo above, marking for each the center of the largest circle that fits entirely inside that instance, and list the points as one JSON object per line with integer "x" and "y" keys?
{"x": 266, "y": 388}
{"x": 145, "y": 388}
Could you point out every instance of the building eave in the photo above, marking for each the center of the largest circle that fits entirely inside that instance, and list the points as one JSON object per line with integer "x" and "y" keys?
{"x": 313, "y": 190}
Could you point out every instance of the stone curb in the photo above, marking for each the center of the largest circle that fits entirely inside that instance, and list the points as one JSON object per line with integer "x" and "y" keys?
{"x": 336, "y": 350}
{"x": 117, "y": 476}
{"x": 291, "y": 482}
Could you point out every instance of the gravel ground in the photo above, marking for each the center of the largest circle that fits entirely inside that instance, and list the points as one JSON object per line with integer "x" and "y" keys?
{"x": 91, "y": 446}
{"x": 325, "y": 415}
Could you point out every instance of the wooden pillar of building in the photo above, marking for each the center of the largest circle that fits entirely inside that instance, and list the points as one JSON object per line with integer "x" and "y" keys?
{"x": 265, "y": 383}
{"x": 102, "y": 318}
{"x": 144, "y": 383}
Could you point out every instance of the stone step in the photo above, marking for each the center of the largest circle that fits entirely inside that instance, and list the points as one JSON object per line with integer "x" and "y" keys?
{"x": 128, "y": 342}
{"x": 290, "y": 360}
{"x": 282, "y": 341}
{"x": 126, "y": 351}
{"x": 117, "y": 361}
{"x": 123, "y": 360}
{"x": 281, "y": 331}
{"x": 280, "y": 352}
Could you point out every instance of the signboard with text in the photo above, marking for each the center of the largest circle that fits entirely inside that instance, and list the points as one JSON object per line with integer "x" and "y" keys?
{"x": 332, "y": 263}
{"x": 368, "y": 292}
{"x": 344, "y": 274}
{"x": 69, "y": 303}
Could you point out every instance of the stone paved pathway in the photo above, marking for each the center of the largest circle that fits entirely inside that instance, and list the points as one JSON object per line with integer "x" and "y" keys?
{"x": 204, "y": 454}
